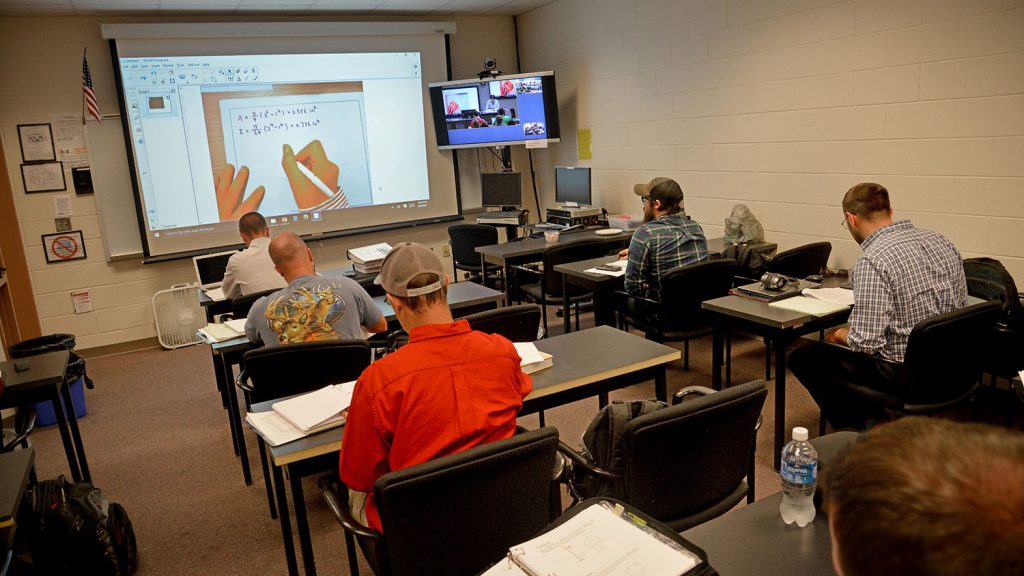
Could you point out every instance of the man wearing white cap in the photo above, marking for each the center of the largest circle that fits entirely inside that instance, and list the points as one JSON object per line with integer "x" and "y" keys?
{"x": 667, "y": 239}
{"x": 449, "y": 389}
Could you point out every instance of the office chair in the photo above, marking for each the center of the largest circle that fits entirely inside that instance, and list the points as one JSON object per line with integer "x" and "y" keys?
{"x": 942, "y": 365}
{"x": 988, "y": 279}
{"x": 802, "y": 261}
{"x": 549, "y": 284}
{"x": 456, "y": 514}
{"x": 280, "y": 371}
{"x": 687, "y": 463}
{"x": 24, "y": 423}
{"x": 678, "y": 316}
{"x": 240, "y": 306}
{"x": 464, "y": 240}
{"x": 517, "y": 323}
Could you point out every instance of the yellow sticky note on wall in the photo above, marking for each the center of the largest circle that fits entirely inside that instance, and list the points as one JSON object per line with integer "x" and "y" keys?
{"x": 583, "y": 144}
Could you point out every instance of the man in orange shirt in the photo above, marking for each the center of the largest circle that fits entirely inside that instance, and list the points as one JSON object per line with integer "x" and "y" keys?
{"x": 449, "y": 389}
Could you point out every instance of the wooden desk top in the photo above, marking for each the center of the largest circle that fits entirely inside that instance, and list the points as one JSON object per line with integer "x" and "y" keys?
{"x": 44, "y": 370}
{"x": 14, "y": 469}
{"x": 754, "y": 540}
{"x": 593, "y": 355}
{"x": 760, "y": 312}
{"x": 579, "y": 270}
{"x": 534, "y": 246}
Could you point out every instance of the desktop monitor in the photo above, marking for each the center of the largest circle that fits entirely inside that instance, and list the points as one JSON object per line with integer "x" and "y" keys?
{"x": 501, "y": 189}
{"x": 572, "y": 184}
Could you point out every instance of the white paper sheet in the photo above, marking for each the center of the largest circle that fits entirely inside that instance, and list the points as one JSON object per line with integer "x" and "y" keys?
{"x": 807, "y": 305}
{"x": 837, "y": 295}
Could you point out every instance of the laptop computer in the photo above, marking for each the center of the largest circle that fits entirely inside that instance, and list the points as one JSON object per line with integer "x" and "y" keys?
{"x": 757, "y": 291}
{"x": 210, "y": 269}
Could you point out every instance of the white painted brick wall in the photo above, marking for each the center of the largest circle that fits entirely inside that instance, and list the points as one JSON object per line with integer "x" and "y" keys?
{"x": 785, "y": 104}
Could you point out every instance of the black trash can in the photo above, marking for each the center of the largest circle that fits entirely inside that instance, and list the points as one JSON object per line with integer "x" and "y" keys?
{"x": 75, "y": 375}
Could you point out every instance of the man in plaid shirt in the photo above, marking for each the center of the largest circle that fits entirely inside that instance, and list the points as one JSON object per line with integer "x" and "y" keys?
{"x": 666, "y": 240}
{"x": 905, "y": 275}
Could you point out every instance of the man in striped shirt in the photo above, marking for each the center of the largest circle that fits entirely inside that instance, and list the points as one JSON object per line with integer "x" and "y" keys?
{"x": 905, "y": 275}
{"x": 666, "y": 240}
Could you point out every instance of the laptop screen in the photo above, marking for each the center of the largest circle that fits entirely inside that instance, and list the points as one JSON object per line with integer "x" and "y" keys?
{"x": 210, "y": 268}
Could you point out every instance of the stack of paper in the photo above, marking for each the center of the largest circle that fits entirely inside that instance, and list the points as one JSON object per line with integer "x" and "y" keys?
{"x": 532, "y": 359}
{"x": 595, "y": 541}
{"x": 368, "y": 259}
{"x": 837, "y": 295}
{"x": 221, "y": 332}
{"x": 807, "y": 305}
{"x": 303, "y": 415}
{"x": 215, "y": 294}
{"x": 614, "y": 268}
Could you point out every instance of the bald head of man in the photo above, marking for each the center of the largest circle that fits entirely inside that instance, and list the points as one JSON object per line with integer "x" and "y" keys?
{"x": 292, "y": 258}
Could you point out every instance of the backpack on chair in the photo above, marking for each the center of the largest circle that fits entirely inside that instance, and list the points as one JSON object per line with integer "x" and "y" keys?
{"x": 602, "y": 446}
{"x": 989, "y": 280}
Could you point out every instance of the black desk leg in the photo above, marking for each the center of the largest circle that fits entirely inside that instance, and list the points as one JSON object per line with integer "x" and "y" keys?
{"x": 661, "y": 384}
{"x": 235, "y": 421}
{"x": 566, "y": 307}
{"x": 65, "y": 434}
{"x": 717, "y": 337}
{"x": 218, "y": 371}
{"x": 225, "y": 376}
{"x": 301, "y": 523}
{"x": 780, "y": 398}
{"x": 286, "y": 525}
{"x": 76, "y": 435}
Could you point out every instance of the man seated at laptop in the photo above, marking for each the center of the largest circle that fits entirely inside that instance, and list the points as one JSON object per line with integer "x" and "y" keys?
{"x": 667, "y": 239}
{"x": 449, "y": 389}
{"x": 311, "y": 307}
{"x": 904, "y": 275}
{"x": 251, "y": 270}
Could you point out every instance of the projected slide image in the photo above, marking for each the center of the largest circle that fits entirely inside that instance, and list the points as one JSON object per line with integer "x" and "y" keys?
{"x": 280, "y": 152}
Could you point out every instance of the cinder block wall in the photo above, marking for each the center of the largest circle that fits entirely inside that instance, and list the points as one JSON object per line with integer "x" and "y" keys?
{"x": 785, "y": 104}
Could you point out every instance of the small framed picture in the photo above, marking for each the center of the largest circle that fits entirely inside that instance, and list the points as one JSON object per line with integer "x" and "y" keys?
{"x": 43, "y": 177}
{"x": 36, "y": 143}
{"x": 64, "y": 246}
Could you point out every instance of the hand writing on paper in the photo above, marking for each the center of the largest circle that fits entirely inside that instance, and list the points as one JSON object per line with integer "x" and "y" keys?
{"x": 838, "y": 336}
{"x": 230, "y": 189}
{"x": 624, "y": 253}
{"x": 312, "y": 156}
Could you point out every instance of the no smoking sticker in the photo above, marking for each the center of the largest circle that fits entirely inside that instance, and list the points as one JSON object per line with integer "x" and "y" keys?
{"x": 64, "y": 246}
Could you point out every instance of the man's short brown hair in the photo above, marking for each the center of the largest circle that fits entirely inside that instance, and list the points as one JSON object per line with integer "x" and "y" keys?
{"x": 252, "y": 224}
{"x": 420, "y": 304}
{"x": 929, "y": 497}
{"x": 866, "y": 199}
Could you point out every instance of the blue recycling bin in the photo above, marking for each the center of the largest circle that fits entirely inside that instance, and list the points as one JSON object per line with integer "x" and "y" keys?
{"x": 76, "y": 370}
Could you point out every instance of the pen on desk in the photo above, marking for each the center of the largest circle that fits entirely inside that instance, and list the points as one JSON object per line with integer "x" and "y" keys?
{"x": 315, "y": 180}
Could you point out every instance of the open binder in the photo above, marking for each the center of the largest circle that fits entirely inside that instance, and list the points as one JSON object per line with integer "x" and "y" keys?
{"x": 607, "y": 537}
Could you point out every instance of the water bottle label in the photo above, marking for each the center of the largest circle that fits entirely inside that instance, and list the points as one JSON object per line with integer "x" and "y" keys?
{"x": 799, "y": 473}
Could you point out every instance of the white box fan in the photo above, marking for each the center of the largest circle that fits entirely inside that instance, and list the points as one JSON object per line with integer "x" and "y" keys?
{"x": 178, "y": 316}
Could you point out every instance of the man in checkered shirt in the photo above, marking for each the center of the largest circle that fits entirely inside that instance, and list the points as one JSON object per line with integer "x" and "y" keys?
{"x": 666, "y": 240}
{"x": 905, "y": 275}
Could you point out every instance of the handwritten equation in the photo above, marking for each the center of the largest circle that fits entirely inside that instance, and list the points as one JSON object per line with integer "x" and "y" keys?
{"x": 277, "y": 119}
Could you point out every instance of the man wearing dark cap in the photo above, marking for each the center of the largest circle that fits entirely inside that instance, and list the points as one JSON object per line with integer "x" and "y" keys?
{"x": 667, "y": 239}
{"x": 905, "y": 275}
{"x": 449, "y": 389}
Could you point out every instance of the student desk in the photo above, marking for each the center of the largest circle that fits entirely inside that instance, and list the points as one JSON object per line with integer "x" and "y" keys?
{"x": 754, "y": 540}
{"x": 586, "y": 363}
{"x": 463, "y": 298}
{"x": 14, "y": 472}
{"x": 776, "y": 325}
{"x": 44, "y": 380}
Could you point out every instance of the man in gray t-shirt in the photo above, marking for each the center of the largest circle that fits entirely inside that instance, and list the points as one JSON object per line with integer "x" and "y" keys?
{"x": 311, "y": 307}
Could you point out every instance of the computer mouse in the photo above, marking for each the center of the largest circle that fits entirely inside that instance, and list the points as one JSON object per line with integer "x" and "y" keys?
{"x": 814, "y": 278}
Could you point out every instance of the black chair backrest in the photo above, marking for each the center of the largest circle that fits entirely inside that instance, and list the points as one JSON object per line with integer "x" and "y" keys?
{"x": 279, "y": 371}
{"x": 464, "y": 240}
{"x": 240, "y": 306}
{"x": 684, "y": 288}
{"x": 571, "y": 252}
{"x": 460, "y": 513}
{"x": 802, "y": 261}
{"x": 517, "y": 323}
{"x": 943, "y": 358}
{"x": 683, "y": 458}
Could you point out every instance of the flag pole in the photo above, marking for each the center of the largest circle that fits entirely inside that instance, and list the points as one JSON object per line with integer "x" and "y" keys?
{"x": 84, "y": 49}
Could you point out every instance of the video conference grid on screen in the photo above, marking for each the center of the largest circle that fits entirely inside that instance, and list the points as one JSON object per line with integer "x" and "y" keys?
{"x": 294, "y": 136}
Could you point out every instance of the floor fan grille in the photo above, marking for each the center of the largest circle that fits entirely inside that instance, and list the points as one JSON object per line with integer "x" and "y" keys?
{"x": 178, "y": 316}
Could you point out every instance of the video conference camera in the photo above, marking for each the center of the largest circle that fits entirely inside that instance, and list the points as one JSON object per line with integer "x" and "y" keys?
{"x": 490, "y": 69}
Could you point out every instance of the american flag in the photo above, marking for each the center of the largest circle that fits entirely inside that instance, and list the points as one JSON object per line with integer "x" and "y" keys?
{"x": 90, "y": 96}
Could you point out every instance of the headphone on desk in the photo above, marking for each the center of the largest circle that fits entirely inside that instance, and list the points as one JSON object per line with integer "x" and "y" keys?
{"x": 774, "y": 281}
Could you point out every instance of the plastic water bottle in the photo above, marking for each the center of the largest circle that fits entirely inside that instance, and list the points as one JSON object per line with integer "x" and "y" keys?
{"x": 799, "y": 473}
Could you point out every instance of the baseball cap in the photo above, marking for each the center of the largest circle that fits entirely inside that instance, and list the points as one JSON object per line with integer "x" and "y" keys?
{"x": 665, "y": 189}
{"x": 403, "y": 263}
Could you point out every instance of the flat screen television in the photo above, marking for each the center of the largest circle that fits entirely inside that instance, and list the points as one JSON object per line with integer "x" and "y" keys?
{"x": 572, "y": 184}
{"x": 501, "y": 189}
{"x": 496, "y": 111}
